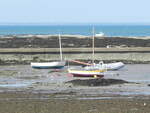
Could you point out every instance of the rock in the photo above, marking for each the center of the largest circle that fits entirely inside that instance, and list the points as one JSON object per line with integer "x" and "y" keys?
{"x": 96, "y": 82}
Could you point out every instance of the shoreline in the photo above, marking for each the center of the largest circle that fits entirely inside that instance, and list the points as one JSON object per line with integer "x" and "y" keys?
{"x": 72, "y": 41}
{"x": 39, "y": 48}
{"x": 67, "y": 35}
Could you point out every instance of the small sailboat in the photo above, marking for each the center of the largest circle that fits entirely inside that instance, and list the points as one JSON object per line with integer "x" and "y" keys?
{"x": 54, "y": 65}
{"x": 86, "y": 73}
{"x": 101, "y": 64}
{"x": 47, "y": 65}
{"x": 108, "y": 66}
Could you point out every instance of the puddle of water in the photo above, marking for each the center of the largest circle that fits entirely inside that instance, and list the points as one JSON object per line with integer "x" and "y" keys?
{"x": 18, "y": 85}
{"x": 101, "y": 98}
{"x": 26, "y": 76}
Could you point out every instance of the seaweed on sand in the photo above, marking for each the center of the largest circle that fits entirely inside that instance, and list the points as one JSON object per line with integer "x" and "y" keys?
{"x": 96, "y": 82}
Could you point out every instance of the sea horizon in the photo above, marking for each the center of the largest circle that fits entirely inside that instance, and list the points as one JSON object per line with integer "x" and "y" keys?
{"x": 76, "y": 29}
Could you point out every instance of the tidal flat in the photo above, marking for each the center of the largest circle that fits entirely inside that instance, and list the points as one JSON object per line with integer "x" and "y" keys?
{"x": 27, "y": 90}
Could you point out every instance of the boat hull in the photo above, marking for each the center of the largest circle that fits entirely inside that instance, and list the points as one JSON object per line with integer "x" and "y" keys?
{"x": 86, "y": 73}
{"x": 48, "y": 65}
{"x": 109, "y": 66}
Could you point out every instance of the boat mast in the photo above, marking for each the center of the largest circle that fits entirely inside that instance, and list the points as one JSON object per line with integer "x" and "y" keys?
{"x": 93, "y": 46}
{"x": 60, "y": 47}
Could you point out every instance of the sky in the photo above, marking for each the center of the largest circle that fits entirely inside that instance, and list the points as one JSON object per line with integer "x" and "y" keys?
{"x": 74, "y": 11}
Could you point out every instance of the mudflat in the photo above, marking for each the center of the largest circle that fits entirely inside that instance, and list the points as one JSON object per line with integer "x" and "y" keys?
{"x": 27, "y": 90}
{"x": 24, "y": 103}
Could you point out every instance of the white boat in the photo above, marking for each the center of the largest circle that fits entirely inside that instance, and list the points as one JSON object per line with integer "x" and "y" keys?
{"x": 101, "y": 65}
{"x": 86, "y": 73}
{"x": 46, "y": 65}
{"x": 55, "y": 64}
{"x": 108, "y": 66}
{"x": 101, "y": 34}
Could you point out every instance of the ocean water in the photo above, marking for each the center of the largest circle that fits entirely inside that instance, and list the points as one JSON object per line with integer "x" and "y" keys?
{"x": 108, "y": 30}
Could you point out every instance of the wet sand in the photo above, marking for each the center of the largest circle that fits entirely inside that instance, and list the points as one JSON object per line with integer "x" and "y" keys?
{"x": 27, "y": 90}
{"x": 116, "y": 105}
{"x": 25, "y": 78}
